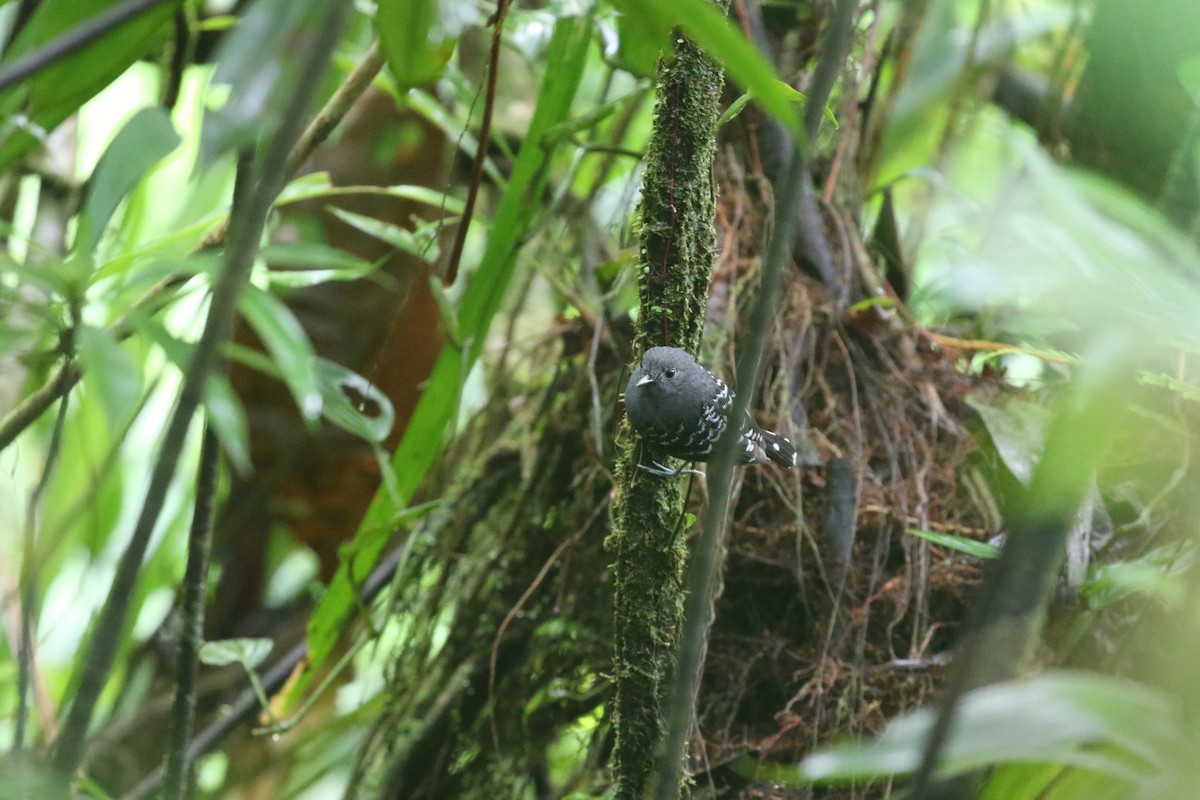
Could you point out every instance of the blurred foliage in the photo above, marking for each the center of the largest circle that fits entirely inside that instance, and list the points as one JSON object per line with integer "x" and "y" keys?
{"x": 1042, "y": 218}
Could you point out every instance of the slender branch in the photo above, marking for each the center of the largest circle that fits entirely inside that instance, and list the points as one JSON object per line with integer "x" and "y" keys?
{"x": 245, "y": 231}
{"x": 29, "y": 572}
{"x": 183, "y": 712}
{"x": 81, "y": 35}
{"x": 335, "y": 108}
{"x": 485, "y": 136}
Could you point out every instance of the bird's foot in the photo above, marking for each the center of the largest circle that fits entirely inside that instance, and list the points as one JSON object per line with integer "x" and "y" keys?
{"x": 658, "y": 469}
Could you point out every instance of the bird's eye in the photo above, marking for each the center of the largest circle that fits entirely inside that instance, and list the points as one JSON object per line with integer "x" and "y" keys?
{"x": 670, "y": 373}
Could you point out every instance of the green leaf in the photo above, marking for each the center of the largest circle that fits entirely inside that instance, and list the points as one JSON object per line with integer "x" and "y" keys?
{"x": 1058, "y": 717}
{"x": 247, "y": 652}
{"x": 424, "y": 436}
{"x": 1188, "y": 391}
{"x": 960, "y": 543}
{"x": 305, "y": 188}
{"x": 225, "y": 413}
{"x": 145, "y": 139}
{"x": 369, "y": 415}
{"x": 725, "y": 44}
{"x": 111, "y": 371}
{"x": 317, "y": 263}
{"x": 35, "y": 107}
{"x": 421, "y": 243}
{"x": 259, "y": 62}
{"x": 734, "y": 109}
{"x": 288, "y": 344}
{"x": 1018, "y": 430}
{"x": 418, "y": 37}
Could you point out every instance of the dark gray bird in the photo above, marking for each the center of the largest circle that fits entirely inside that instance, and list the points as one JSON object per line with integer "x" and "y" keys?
{"x": 681, "y": 409}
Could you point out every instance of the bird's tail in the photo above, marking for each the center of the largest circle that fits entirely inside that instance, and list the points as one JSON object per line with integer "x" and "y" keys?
{"x": 777, "y": 448}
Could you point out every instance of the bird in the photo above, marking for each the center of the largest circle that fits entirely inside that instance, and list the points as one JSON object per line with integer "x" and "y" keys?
{"x": 681, "y": 409}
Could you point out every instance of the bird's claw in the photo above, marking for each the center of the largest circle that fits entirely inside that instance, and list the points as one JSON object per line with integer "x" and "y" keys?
{"x": 658, "y": 469}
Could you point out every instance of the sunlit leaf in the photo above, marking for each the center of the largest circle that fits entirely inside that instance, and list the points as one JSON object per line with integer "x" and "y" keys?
{"x": 247, "y": 652}
{"x": 146, "y": 139}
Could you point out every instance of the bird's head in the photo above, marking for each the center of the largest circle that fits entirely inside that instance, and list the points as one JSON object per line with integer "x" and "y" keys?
{"x": 665, "y": 369}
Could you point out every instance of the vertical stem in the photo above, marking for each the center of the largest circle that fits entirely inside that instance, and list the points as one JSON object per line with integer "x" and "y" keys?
{"x": 195, "y": 579}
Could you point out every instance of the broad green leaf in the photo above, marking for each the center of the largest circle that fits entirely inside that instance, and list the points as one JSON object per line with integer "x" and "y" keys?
{"x": 259, "y": 62}
{"x": 638, "y": 49}
{"x": 959, "y": 543}
{"x": 369, "y": 414}
{"x": 1058, "y": 717}
{"x": 247, "y": 652}
{"x": 32, "y": 109}
{"x": 419, "y": 36}
{"x": 110, "y": 371}
{"x": 146, "y": 139}
{"x": 288, "y": 344}
{"x": 425, "y": 434}
{"x": 1018, "y": 430}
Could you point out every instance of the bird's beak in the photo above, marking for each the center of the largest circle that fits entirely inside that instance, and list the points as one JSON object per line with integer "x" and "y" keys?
{"x": 645, "y": 379}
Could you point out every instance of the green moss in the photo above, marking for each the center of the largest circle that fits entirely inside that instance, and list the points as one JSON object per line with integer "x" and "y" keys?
{"x": 678, "y": 248}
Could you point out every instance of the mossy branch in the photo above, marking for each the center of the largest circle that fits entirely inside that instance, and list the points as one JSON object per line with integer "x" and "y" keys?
{"x": 678, "y": 247}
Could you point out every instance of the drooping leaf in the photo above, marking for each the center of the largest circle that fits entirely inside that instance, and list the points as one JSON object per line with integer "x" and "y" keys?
{"x": 145, "y": 139}
{"x": 419, "y": 36}
{"x": 288, "y": 344}
{"x": 369, "y": 414}
{"x": 225, "y": 413}
{"x": 247, "y": 652}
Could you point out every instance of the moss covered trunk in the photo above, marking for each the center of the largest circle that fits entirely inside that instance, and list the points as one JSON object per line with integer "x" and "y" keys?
{"x": 678, "y": 246}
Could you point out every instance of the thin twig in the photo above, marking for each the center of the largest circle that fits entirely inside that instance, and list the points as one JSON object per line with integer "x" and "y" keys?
{"x": 336, "y": 108}
{"x": 485, "y": 135}
{"x": 29, "y": 572}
